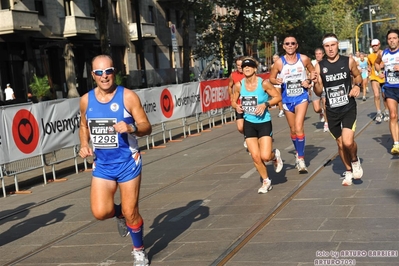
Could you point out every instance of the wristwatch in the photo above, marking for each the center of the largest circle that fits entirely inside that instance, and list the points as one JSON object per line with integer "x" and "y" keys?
{"x": 134, "y": 128}
{"x": 359, "y": 85}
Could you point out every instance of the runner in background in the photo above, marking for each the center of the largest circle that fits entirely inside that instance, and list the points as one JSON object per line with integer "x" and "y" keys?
{"x": 319, "y": 103}
{"x": 362, "y": 64}
{"x": 235, "y": 77}
{"x": 377, "y": 80}
{"x": 278, "y": 87}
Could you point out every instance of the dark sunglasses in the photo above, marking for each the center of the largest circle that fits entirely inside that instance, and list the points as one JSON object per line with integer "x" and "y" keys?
{"x": 100, "y": 72}
{"x": 288, "y": 43}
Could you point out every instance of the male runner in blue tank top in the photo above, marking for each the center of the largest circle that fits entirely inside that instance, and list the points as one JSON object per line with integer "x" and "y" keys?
{"x": 111, "y": 118}
{"x": 292, "y": 69}
{"x": 334, "y": 75}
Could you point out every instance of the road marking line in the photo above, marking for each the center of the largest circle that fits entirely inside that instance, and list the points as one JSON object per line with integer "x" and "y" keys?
{"x": 249, "y": 173}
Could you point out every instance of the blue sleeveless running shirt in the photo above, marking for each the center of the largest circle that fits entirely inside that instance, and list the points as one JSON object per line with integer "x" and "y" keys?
{"x": 249, "y": 101}
{"x": 293, "y": 75}
{"x": 110, "y": 146}
{"x": 391, "y": 59}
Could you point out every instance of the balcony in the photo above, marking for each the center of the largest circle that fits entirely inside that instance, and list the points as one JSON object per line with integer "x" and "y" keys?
{"x": 147, "y": 31}
{"x": 18, "y": 20}
{"x": 79, "y": 25}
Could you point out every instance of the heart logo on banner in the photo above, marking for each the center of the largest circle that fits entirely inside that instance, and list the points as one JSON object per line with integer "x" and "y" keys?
{"x": 166, "y": 103}
{"x": 25, "y": 131}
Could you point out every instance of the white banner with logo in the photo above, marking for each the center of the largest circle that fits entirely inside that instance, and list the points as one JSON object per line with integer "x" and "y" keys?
{"x": 21, "y": 127}
{"x": 34, "y": 129}
{"x": 163, "y": 104}
{"x": 29, "y": 130}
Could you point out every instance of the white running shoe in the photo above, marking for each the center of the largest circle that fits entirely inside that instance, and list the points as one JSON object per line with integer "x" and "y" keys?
{"x": 245, "y": 144}
{"x": 395, "y": 149}
{"x": 140, "y": 258}
{"x": 122, "y": 227}
{"x": 278, "y": 162}
{"x": 266, "y": 186}
{"x": 301, "y": 166}
{"x": 322, "y": 118}
{"x": 378, "y": 118}
{"x": 357, "y": 170}
{"x": 325, "y": 128}
{"x": 386, "y": 117}
{"x": 281, "y": 113}
{"x": 348, "y": 179}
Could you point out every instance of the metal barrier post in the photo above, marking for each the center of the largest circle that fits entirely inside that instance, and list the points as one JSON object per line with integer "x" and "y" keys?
{"x": 3, "y": 186}
{"x": 44, "y": 170}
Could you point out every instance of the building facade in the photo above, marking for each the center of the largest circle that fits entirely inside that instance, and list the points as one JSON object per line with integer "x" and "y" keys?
{"x": 59, "y": 38}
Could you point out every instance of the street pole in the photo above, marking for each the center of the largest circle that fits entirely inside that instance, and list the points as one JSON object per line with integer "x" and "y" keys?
{"x": 371, "y": 23}
{"x": 372, "y": 9}
{"x": 360, "y": 24}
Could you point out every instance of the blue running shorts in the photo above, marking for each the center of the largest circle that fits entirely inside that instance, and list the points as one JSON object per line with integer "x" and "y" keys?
{"x": 291, "y": 106}
{"x": 119, "y": 172}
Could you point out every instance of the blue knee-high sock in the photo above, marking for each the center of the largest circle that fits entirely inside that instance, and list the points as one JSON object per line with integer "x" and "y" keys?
{"x": 301, "y": 145}
{"x": 118, "y": 210}
{"x": 294, "y": 140}
{"x": 136, "y": 233}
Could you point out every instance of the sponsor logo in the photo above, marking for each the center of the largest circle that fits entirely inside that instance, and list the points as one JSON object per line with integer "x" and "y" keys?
{"x": 69, "y": 124}
{"x": 114, "y": 107}
{"x": 149, "y": 107}
{"x": 25, "y": 131}
{"x": 214, "y": 94}
{"x": 166, "y": 103}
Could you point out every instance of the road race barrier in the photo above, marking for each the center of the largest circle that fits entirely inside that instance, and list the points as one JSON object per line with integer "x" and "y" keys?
{"x": 13, "y": 169}
{"x": 62, "y": 155}
{"x": 35, "y": 136}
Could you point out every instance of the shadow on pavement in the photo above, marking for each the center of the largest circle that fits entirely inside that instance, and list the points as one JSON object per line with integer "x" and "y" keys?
{"x": 169, "y": 225}
{"x": 29, "y": 226}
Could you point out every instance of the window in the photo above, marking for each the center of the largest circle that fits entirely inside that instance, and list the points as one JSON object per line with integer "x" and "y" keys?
{"x": 151, "y": 18}
{"x": 167, "y": 14}
{"x": 178, "y": 21}
{"x": 133, "y": 18}
{"x": 67, "y": 8}
{"x": 155, "y": 55}
{"x": 115, "y": 11}
{"x": 4, "y": 4}
{"x": 167, "y": 18}
{"x": 39, "y": 7}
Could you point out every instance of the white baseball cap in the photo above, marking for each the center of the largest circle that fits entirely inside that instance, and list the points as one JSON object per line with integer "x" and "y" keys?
{"x": 8, "y": 84}
{"x": 375, "y": 42}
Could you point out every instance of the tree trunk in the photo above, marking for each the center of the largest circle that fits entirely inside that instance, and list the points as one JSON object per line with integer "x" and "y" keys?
{"x": 186, "y": 42}
{"x": 70, "y": 75}
{"x": 101, "y": 14}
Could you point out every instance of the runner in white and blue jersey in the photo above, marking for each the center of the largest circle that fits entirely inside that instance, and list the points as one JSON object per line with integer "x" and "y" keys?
{"x": 293, "y": 69}
{"x": 389, "y": 59}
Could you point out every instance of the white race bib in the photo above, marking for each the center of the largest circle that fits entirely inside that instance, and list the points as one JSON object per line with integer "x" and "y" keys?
{"x": 294, "y": 88}
{"x": 249, "y": 104}
{"x": 103, "y": 134}
{"x": 337, "y": 96}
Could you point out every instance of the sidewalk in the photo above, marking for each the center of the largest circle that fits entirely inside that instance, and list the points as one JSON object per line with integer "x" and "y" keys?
{"x": 199, "y": 196}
